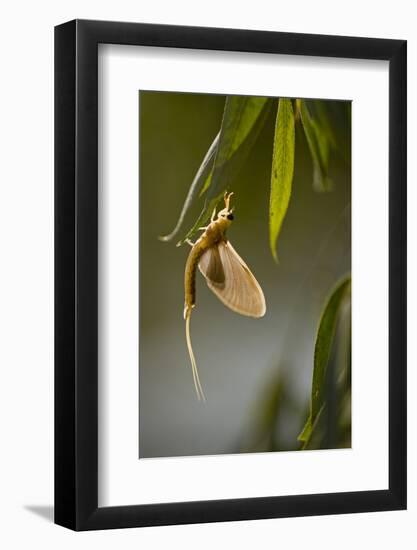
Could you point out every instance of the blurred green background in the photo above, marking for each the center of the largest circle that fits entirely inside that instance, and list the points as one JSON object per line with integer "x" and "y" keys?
{"x": 256, "y": 373}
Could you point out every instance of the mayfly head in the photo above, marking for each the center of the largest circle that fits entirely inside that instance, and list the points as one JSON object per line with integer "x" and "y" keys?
{"x": 227, "y": 212}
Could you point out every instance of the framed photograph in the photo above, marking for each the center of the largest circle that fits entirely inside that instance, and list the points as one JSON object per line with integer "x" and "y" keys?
{"x": 230, "y": 285}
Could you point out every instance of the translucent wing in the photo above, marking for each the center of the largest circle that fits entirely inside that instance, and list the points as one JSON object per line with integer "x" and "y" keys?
{"x": 211, "y": 266}
{"x": 239, "y": 290}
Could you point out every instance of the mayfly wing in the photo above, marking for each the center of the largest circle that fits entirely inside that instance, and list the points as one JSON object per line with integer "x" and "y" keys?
{"x": 239, "y": 291}
{"x": 211, "y": 266}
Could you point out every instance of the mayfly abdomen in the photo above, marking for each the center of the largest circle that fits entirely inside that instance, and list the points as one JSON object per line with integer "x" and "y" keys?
{"x": 190, "y": 274}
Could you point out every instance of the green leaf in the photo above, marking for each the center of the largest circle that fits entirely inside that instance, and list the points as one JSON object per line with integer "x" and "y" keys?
{"x": 316, "y": 427}
{"x": 243, "y": 118}
{"x": 201, "y": 220}
{"x": 282, "y": 170}
{"x": 308, "y": 435}
{"x": 319, "y": 143}
{"x": 324, "y": 342}
{"x": 200, "y": 181}
{"x": 320, "y": 112}
{"x": 239, "y": 118}
{"x": 306, "y": 431}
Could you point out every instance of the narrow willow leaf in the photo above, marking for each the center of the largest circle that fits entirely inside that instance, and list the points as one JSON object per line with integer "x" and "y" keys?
{"x": 306, "y": 431}
{"x": 333, "y": 320}
{"x": 243, "y": 119}
{"x": 282, "y": 170}
{"x": 321, "y": 113}
{"x": 207, "y": 184}
{"x": 324, "y": 342}
{"x": 201, "y": 220}
{"x": 319, "y": 145}
{"x": 309, "y": 431}
{"x": 200, "y": 181}
{"x": 239, "y": 118}
{"x": 297, "y": 107}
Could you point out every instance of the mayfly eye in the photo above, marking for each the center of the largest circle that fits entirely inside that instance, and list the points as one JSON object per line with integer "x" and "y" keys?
{"x": 230, "y": 217}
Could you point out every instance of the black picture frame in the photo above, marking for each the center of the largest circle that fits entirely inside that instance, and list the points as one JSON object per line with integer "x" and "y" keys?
{"x": 76, "y": 272}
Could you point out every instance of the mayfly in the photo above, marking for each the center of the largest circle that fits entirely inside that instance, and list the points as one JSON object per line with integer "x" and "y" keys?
{"x": 226, "y": 275}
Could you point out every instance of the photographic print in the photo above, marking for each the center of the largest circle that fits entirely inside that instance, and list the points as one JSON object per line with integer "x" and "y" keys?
{"x": 203, "y": 257}
{"x": 245, "y": 274}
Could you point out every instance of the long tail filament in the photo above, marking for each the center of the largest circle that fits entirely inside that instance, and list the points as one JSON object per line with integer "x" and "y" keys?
{"x": 196, "y": 378}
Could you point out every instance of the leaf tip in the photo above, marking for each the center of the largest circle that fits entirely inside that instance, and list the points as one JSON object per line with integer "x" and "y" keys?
{"x": 274, "y": 254}
{"x": 322, "y": 184}
{"x": 164, "y": 238}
